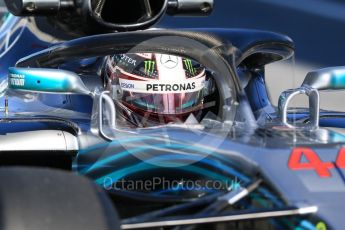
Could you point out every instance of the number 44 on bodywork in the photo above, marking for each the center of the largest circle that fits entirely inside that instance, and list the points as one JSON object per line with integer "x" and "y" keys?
{"x": 314, "y": 162}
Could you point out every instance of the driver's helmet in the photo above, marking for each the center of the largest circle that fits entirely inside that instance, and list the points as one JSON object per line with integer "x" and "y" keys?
{"x": 155, "y": 88}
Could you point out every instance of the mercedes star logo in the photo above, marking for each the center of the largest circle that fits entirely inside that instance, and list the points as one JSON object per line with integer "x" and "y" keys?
{"x": 169, "y": 61}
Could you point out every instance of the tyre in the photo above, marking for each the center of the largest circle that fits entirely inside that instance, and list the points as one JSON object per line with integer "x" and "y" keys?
{"x": 32, "y": 198}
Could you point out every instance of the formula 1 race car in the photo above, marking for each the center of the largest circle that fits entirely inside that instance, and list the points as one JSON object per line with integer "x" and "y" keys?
{"x": 158, "y": 128}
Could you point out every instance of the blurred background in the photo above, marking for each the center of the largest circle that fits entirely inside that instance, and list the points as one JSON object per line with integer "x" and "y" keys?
{"x": 316, "y": 26}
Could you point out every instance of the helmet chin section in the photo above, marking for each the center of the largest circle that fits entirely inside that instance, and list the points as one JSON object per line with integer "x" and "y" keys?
{"x": 143, "y": 118}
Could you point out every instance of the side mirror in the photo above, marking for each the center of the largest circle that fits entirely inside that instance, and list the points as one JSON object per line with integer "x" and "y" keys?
{"x": 332, "y": 78}
{"x": 57, "y": 81}
{"x": 46, "y": 81}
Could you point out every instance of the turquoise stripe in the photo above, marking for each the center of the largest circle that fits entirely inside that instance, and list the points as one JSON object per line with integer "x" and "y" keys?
{"x": 307, "y": 225}
{"x": 115, "y": 176}
{"x": 139, "y": 149}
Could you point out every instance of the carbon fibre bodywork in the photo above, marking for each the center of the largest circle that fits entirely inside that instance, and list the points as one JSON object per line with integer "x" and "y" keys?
{"x": 253, "y": 144}
{"x": 263, "y": 154}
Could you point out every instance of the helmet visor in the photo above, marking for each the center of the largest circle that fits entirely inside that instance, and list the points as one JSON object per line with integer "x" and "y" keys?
{"x": 168, "y": 103}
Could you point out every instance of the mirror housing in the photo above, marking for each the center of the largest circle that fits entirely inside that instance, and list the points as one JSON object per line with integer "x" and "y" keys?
{"x": 56, "y": 81}
{"x": 332, "y": 78}
{"x": 46, "y": 81}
